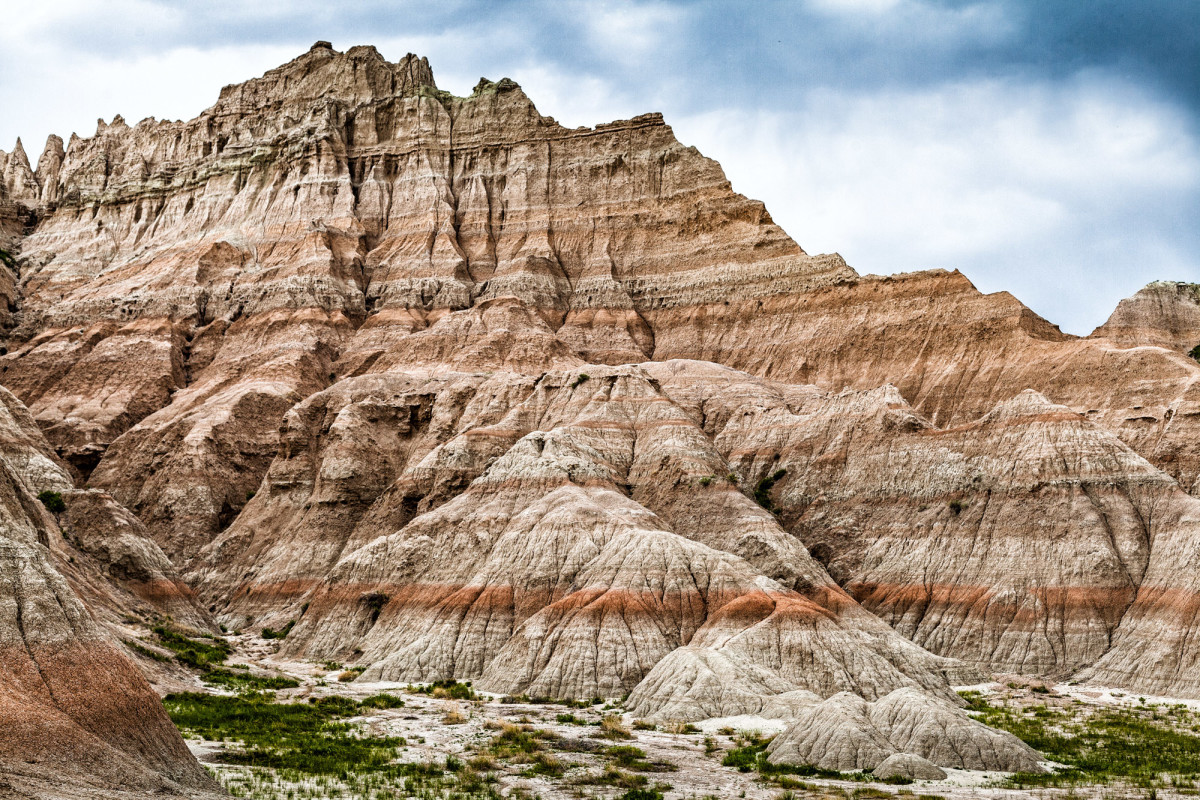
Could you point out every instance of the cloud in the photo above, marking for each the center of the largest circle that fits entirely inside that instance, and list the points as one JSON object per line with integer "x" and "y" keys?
{"x": 1070, "y": 195}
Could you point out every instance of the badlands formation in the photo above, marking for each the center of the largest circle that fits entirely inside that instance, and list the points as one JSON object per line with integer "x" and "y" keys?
{"x": 460, "y": 393}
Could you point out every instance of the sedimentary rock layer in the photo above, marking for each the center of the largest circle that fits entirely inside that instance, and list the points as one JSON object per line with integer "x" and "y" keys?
{"x": 78, "y": 718}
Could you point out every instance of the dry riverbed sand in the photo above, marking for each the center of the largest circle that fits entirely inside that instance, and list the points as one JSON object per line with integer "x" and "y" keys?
{"x": 687, "y": 761}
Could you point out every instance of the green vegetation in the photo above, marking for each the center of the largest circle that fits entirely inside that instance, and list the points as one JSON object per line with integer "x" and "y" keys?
{"x": 956, "y": 507}
{"x": 207, "y": 654}
{"x": 511, "y": 699}
{"x": 146, "y": 651}
{"x": 375, "y": 601}
{"x": 269, "y": 633}
{"x": 301, "y": 736}
{"x": 1195, "y": 352}
{"x": 382, "y": 701}
{"x": 7, "y": 259}
{"x": 750, "y": 756}
{"x": 194, "y": 652}
{"x": 53, "y": 501}
{"x": 1140, "y": 745}
{"x": 569, "y": 719}
{"x": 447, "y": 690}
{"x": 244, "y": 682}
{"x": 634, "y": 758}
{"x": 642, "y": 794}
{"x": 582, "y": 379}
{"x": 762, "y": 490}
{"x": 706, "y": 480}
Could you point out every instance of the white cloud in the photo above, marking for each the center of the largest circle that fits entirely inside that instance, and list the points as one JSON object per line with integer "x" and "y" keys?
{"x": 1051, "y": 191}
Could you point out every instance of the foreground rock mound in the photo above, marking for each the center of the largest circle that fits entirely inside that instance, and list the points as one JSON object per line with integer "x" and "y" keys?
{"x": 548, "y": 536}
{"x": 847, "y": 733}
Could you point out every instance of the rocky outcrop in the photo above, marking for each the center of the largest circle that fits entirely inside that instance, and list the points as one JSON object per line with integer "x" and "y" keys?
{"x": 966, "y": 539}
{"x": 531, "y": 534}
{"x": 467, "y": 394}
{"x": 77, "y": 716}
{"x": 907, "y": 765}
{"x": 847, "y": 733}
{"x": 1162, "y": 314}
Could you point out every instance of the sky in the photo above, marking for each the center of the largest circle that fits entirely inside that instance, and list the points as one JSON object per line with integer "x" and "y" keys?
{"x": 1050, "y": 148}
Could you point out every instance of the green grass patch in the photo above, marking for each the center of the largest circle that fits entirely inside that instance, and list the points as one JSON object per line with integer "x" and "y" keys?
{"x": 762, "y": 490}
{"x": 447, "y": 690}
{"x": 305, "y": 737}
{"x": 200, "y": 653}
{"x": 245, "y": 682}
{"x": 383, "y": 700}
{"x": 1139, "y": 745}
{"x": 271, "y": 633}
{"x": 53, "y": 501}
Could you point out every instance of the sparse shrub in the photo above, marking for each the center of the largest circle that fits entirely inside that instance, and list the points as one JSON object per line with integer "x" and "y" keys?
{"x": 732, "y": 477}
{"x": 644, "y": 725}
{"x": 269, "y": 633}
{"x": 680, "y": 728}
{"x": 1195, "y": 352}
{"x": 349, "y": 674}
{"x": 642, "y": 794}
{"x": 582, "y": 379}
{"x": 956, "y": 507}
{"x": 453, "y": 715}
{"x": 706, "y": 480}
{"x": 611, "y": 727}
{"x": 375, "y": 601}
{"x": 53, "y": 501}
{"x": 383, "y": 700}
{"x": 762, "y": 490}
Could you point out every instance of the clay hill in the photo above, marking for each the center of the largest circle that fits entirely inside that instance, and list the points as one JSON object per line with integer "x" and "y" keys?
{"x": 463, "y": 393}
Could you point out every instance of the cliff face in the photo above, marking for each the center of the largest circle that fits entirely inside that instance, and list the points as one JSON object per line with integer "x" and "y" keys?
{"x": 461, "y": 391}
{"x": 1162, "y": 314}
{"x": 76, "y": 714}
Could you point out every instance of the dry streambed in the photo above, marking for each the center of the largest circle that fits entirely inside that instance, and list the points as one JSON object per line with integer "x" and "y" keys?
{"x": 317, "y": 733}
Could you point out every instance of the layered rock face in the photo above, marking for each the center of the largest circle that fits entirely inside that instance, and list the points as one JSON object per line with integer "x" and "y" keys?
{"x": 970, "y": 540}
{"x": 77, "y": 715}
{"x": 1163, "y": 314}
{"x": 467, "y": 394}
{"x": 898, "y": 733}
{"x": 555, "y": 536}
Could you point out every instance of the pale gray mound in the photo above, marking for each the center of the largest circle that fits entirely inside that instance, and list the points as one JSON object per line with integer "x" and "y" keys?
{"x": 847, "y": 733}
{"x": 694, "y": 683}
{"x": 907, "y": 765}
{"x": 930, "y": 727}
{"x": 788, "y": 704}
{"x": 837, "y": 734}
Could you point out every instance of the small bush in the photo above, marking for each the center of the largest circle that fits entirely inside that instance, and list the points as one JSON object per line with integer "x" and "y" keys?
{"x": 53, "y": 501}
{"x": 644, "y": 725}
{"x": 706, "y": 480}
{"x": 956, "y": 507}
{"x": 375, "y": 601}
{"x": 268, "y": 633}
{"x": 611, "y": 727}
{"x": 382, "y": 701}
{"x": 350, "y": 673}
{"x": 762, "y": 490}
{"x": 582, "y": 379}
